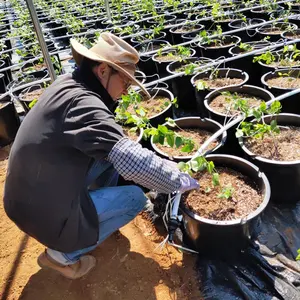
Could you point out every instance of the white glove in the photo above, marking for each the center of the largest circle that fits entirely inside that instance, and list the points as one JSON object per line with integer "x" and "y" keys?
{"x": 188, "y": 183}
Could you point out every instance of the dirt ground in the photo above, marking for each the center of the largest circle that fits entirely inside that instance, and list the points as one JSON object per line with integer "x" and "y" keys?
{"x": 128, "y": 267}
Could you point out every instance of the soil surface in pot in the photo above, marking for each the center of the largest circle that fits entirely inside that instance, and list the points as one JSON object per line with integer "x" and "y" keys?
{"x": 37, "y": 67}
{"x": 287, "y": 145}
{"x": 217, "y": 44}
{"x": 150, "y": 47}
{"x": 133, "y": 135}
{"x": 169, "y": 58}
{"x": 152, "y": 106}
{"x": 224, "y": 104}
{"x": 284, "y": 82}
{"x": 220, "y": 82}
{"x": 33, "y": 95}
{"x": 285, "y": 63}
{"x": 208, "y": 203}
{"x": 198, "y": 136}
{"x": 274, "y": 30}
{"x": 293, "y": 36}
{"x": 185, "y": 29}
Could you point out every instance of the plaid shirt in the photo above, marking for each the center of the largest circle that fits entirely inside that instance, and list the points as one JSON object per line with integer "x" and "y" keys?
{"x": 144, "y": 167}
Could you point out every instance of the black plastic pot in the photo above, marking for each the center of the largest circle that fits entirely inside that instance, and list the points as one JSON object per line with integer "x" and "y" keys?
{"x": 189, "y": 28}
{"x": 264, "y": 30}
{"x": 254, "y": 70}
{"x": 222, "y": 73}
{"x": 190, "y": 123}
{"x": 135, "y": 41}
{"x": 19, "y": 91}
{"x": 209, "y": 51}
{"x": 169, "y": 19}
{"x": 269, "y": 68}
{"x": 248, "y": 34}
{"x": 146, "y": 64}
{"x": 291, "y": 35}
{"x": 283, "y": 175}
{"x": 182, "y": 87}
{"x": 210, "y": 236}
{"x": 225, "y": 24}
{"x": 9, "y": 120}
{"x": 261, "y": 13}
{"x": 290, "y": 104}
{"x": 232, "y": 144}
{"x": 2, "y": 84}
{"x": 160, "y": 118}
{"x": 161, "y": 66}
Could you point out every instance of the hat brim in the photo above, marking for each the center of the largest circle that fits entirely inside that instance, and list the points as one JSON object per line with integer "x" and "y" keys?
{"x": 79, "y": 51}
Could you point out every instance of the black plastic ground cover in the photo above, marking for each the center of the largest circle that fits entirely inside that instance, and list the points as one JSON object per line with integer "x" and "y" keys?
{"x": 266, "y": 270}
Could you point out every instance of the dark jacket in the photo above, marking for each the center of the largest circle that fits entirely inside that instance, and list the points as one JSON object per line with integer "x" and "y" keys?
{"x": 45, "y": 192}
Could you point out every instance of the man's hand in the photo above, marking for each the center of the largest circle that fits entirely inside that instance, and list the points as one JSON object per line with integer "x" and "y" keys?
{"x": 188, "y": 183}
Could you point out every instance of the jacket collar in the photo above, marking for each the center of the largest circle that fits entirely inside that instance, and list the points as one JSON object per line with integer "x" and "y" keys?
{"x": 85, "y": 76}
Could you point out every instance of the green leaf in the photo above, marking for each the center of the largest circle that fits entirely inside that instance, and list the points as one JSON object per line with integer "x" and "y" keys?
{"x": 161, "y": 139}
{"x": 178, "y": 141}
{"x": 187, "y": 148}
{"x": 170, "y": 140}
{"x": 210, "y": 167}
{"x": 156, "y": 139}
{"x": 273, "y": 124}
{"x": 163, "y": 129}
{"x": 171, "y": 122}
{"x": 239, "y": 133}
{"x": 201, "y": 85}
{"x": 216, "y": 179}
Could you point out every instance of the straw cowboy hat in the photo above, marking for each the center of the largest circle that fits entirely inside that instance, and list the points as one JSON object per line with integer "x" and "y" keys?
{"x": 111, "y": 50}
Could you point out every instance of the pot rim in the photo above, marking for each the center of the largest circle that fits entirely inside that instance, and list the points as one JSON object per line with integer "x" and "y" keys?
{"x": 237, "y": 38}
{"x": 187, "y": 157}
{"x": 190, "y": 59}
{"x": 263, "y": 78}
{"x": 253, "y": 214}
{"x": 216, "y": 91}
{"x": 193, "y": 52}
{"x": 243, "y": 73}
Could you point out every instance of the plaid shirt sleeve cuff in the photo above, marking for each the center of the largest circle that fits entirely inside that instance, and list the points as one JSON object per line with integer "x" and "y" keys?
{"x": 144, "y": 167}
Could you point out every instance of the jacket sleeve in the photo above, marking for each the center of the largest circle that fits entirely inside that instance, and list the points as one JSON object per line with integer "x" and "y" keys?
{"x": 144, "y": 167}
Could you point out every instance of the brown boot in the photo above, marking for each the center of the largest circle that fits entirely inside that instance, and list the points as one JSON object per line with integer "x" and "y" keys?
{"x": 74, "y": 271}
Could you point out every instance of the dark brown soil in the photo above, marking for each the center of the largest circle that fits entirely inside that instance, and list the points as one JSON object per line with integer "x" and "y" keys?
{"x": 285, "y": 148}
{"x": 133, "y": 135}
{"x": 206, "y": 202}
{"x": 220, "y": 82}
{"x": 33, "y": 95}
{"x": 197, "y": 135}
{"x": 224, "y": 104}
{"x": 284, "y": 82}
{"x": 152, "y": 106}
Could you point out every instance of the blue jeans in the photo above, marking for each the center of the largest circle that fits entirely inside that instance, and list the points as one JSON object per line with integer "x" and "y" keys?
{"x": 115, "y": 205}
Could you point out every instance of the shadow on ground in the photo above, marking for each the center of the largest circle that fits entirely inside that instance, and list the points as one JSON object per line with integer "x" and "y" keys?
{"x": 119, "y": 274}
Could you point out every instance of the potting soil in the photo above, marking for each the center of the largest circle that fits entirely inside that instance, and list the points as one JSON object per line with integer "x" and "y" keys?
{"x": 266, "y": 269}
